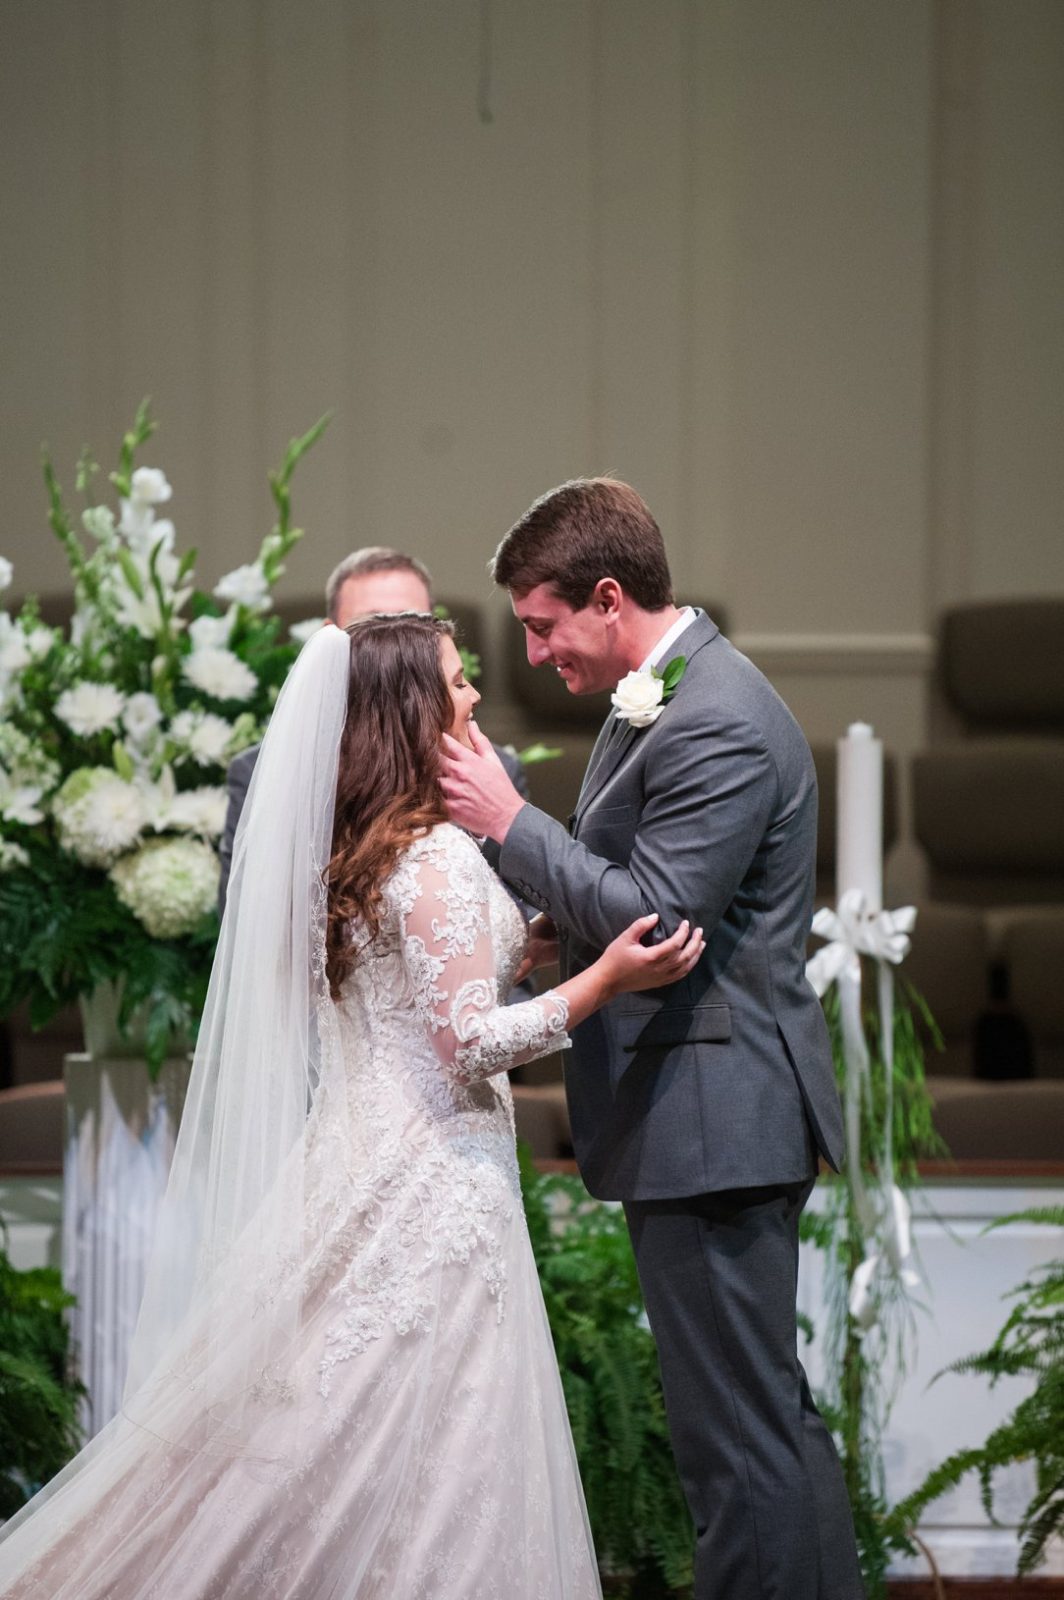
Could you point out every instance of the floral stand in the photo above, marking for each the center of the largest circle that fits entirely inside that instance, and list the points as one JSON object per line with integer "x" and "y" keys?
{"x": 121, "y": 1129}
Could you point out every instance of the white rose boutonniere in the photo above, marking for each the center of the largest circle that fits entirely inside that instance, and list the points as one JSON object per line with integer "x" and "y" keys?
{"x": 640, "y": 697}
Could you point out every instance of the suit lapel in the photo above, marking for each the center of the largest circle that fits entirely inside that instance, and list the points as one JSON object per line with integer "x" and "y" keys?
{"x": 617, "y": 738}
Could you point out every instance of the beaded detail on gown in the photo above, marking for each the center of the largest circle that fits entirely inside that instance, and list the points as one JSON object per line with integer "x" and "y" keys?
{"x": 414, "y": 1444}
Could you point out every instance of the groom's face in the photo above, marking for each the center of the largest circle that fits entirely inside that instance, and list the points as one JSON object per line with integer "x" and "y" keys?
{"x": 578, "y": 645}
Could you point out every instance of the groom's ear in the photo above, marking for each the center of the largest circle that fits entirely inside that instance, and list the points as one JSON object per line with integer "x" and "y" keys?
{"x": 607, "y": 597}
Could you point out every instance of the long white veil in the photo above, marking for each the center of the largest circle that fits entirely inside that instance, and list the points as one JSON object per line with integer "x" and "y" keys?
{"x": 232, "y": 1222}
{"x": 224, "y": 1292}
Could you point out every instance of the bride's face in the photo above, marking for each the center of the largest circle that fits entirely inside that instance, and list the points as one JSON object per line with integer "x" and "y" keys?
{"x": 463, "y": 695}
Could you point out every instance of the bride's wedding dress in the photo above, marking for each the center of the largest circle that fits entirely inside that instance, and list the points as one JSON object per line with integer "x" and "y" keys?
{"x": 410, "y": 1441}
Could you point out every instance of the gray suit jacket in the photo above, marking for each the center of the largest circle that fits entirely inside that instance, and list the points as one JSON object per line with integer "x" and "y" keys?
{"x": 724, "y": 1080}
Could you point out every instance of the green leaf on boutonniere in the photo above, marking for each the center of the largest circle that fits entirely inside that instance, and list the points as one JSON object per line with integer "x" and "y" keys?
{"x": 672, "y": 675}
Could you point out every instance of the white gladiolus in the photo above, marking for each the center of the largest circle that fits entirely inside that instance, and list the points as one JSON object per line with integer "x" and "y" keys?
{"x": 302, "y": 631}
{"x": 98, "y": 815}
{"x": 206, "y": 737}
{"x": 39, "y": 641}
{"x": 15, "y": 652}
{"x": 149, "y": 486}
{"x": 20, "y": 802}
{"x": 24, "y": 761}
{"x": 211, "y": 633}
{"x": 141, "y": 717}
{"x": 170, "y": 885}
{"x": 221, "y": 674}
{"x": 7, "y": 572}
{"x": 245, "y": 586}
{"x": 99, "y": 522}
{"x": 199, "y": 811}
{"x": 90, "y": 708}
{"x": 638, "y": 699}
{"x": 12, "y": 855}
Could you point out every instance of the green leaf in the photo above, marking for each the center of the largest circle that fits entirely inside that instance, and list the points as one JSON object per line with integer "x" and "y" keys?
{"x": 533, "y": 754}
{"x": 123, "y": 765}
{"x": 674, "y": 672}
{"x": 129, "y": 571}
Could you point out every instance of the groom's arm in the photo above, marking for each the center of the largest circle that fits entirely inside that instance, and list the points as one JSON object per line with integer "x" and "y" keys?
{"x": 709, "y": 794}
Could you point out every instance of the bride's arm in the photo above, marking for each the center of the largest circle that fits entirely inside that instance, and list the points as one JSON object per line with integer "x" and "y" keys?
{"x": 448, "y": 952}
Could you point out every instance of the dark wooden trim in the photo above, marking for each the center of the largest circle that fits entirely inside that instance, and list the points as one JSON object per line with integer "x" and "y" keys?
{"x": 30, "y": 1169}
{"x": 943, "y": 1171}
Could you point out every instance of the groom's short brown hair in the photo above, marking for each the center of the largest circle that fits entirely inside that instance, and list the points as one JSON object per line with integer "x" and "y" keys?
{"x": 581, "y": 532}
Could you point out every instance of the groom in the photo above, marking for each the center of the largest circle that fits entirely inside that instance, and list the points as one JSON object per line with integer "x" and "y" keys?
{"x": 702, "y": 1107}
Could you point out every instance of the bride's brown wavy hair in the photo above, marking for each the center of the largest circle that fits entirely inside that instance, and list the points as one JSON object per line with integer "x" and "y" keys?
{"x": 388, "y": 790}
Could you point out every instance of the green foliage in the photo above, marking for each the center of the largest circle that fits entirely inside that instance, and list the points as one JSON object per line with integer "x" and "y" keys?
{"x": 1031, "y": 1345}
{"x": 865, "y": 1371}
{"x": 612, "y": 1386}
{"x": 39, "y": 1396}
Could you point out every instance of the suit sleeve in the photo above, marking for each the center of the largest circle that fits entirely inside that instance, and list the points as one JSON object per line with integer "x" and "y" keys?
{"x": 708, "y": 796}
{"x": 237, "y": 779}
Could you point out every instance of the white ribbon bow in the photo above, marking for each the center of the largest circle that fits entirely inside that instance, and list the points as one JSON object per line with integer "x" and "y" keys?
{"x": 855, "y": 930}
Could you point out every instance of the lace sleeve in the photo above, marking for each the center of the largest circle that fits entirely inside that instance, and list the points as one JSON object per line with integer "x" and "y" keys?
{"x": 448, "y": 952}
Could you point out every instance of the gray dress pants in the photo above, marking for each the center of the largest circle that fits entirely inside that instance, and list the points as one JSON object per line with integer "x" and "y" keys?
{"x": 757, "y": 1464}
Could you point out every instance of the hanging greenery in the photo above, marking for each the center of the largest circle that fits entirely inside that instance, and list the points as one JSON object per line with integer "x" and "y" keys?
{"x": 866, "y": 1356}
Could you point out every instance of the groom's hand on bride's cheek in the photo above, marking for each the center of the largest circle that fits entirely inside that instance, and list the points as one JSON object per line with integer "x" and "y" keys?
{"x": 476, "y": 787}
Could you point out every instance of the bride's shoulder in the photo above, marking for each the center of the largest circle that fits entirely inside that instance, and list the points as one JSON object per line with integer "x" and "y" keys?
{"x": 440, "y": 845}
{"x": 443, "y": 849}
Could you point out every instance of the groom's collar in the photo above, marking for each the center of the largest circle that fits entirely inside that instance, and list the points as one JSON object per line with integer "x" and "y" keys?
{"x": 668, "y": 639}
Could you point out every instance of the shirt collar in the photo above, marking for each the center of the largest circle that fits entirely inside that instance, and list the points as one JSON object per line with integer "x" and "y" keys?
{"x": 666, "y": 642}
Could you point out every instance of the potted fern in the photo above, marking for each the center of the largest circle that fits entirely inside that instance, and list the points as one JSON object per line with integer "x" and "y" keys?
{"x": 40, "y": 1398}
{"x": 1030, "y": 1345}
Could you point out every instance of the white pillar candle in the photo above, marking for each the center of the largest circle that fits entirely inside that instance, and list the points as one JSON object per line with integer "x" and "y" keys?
{"x": 859, "y": 841}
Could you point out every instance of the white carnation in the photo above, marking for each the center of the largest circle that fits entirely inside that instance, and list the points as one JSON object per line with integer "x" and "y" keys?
{"x": 302, "y": 631}
{"x": 7, "y": 572}
{"x": 199, "y": 811}
{"x": 221, "y": 674}
{"x": 39, "y": 641}
{"x": 141, "y": 716}
{"x": 638, "y": 699}
{"x": 149, "y": 486}
{"x": 206, "y": 737}
{"x": 12, "y": 855}
{"x": 211, "y": 633}
{"x": 245, "y": 586}
{"x": 98, "y": 815}
{"x": 90, "y": 708}
{"x": 170, "y": 885}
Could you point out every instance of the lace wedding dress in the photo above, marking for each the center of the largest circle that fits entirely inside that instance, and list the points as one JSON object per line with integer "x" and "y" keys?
{"x": 413, "y": 1441}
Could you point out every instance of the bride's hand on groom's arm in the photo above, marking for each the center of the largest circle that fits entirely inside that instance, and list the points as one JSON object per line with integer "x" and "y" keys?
{"x": 477, "y": 787}
{"x": 542, "y": 948}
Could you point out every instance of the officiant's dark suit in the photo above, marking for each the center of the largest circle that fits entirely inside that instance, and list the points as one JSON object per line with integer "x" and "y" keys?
{"x": 703, "y": 1106}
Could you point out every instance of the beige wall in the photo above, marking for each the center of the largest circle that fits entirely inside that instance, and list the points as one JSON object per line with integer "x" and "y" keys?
{"x": 791, "y": 266}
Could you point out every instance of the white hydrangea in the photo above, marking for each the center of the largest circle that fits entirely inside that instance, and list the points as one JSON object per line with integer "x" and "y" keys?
{"x": 141, "y": 717}
{"x": 221, "y": 674}
{"x": 211, "y": 633}
{"x": 12, "y": 855}
{"x": 206, "y": 737}
{"x": 170, "y": 885}
{"x": 245, "y": 586}
{"x": 302, "y": 631}
{"x": 24, "y": 760}
{"x": 7, "y": 572}
{"x": 199, "y": 811}
{"x": 90, "y": 708}
{"x": 98, "y": 815}
{"x": 149, "y": 486}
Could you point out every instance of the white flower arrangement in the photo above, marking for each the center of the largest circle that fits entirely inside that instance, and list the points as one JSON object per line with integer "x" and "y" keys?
{"x": 114, "y": 741}
{"x": 170, "y": 885}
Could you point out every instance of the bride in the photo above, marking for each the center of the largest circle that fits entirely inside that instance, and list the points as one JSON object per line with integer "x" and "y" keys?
{"x": 342, "y": 1382}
